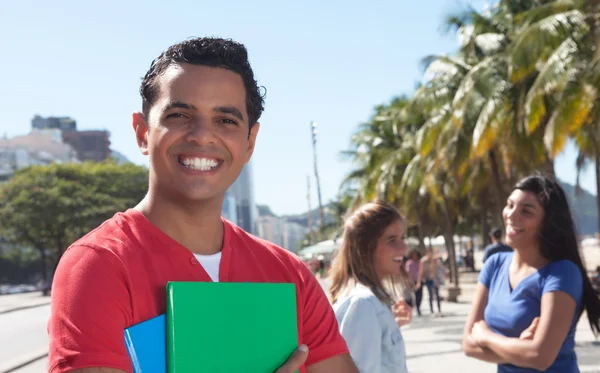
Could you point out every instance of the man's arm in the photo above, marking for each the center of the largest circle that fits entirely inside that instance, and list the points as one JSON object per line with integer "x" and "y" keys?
{"x": 336, "y": 364}
{"x": 328, "y": 351}
{"x": 98, "y": 370}
{"x": 90, "y": 310}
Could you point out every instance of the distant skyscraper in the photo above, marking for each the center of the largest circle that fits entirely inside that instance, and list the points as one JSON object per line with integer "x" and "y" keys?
{"x": 229, "y": 210}
{"x": 243, "y": 191}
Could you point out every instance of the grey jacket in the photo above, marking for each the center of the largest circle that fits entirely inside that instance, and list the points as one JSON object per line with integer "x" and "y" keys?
{"x": 372, "y": 335}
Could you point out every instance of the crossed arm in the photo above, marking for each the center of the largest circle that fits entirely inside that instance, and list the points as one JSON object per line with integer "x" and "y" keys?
{"x": 537, "y": 349}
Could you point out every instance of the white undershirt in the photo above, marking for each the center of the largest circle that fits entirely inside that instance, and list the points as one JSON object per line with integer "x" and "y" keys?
{"x": 210, "y": 263}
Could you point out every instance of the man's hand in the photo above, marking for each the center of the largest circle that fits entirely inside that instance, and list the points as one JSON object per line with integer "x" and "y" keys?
{"x": 530, "y": 331}
{"x": 402, "y": 313}
{"x": 295, "y": 361}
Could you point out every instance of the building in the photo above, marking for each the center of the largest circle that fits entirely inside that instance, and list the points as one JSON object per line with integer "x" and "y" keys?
{"x": 64, "y": 124}
{"x": 271, "y": 228}
{"x": 229, "y": 210}
{"x": 293, "y": 234}
{"x": 90, "y": 145}
{"x": 40, "y": 147}
{"x": 243, "y": 192}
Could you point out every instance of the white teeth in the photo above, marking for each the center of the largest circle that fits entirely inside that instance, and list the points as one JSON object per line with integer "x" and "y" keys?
{"x": 514, "y": 229}
{"x": 202, "y": 164}
{"x": 398, "y": 259}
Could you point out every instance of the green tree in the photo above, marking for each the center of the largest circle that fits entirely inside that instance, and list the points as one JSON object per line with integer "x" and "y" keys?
{"x": 49, "y": 207}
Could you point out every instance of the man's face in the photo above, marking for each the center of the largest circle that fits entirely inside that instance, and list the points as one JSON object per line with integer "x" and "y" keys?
{"x": 196, "y": 133}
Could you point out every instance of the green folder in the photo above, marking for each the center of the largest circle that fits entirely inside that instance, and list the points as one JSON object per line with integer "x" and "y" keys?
{"x": 228, "y": 327}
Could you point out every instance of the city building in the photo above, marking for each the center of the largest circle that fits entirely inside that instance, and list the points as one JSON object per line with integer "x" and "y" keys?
{"x": 65, "y": 124}
{"x": 271, "y": 228}
{"x": 293, "y": 234}
{"x": 91, "y": 145}
{"x": 243, "y": 192}
{"x": 229, "y": 210}
{"x": 37, "y": 148}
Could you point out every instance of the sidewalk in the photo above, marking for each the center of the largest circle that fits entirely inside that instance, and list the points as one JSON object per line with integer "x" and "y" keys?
{"x": 15, "y": 302}
{"x": 435, "y": 344}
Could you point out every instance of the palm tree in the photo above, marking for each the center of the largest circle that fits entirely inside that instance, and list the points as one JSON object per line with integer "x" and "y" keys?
{"x": 566, "y": 66}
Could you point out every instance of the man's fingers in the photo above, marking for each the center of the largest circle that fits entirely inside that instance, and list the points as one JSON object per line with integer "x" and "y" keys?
{"x": 295, "y": 361}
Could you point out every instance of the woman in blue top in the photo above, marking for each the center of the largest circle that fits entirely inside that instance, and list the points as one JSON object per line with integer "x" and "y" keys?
{"x": 528, "y": 302}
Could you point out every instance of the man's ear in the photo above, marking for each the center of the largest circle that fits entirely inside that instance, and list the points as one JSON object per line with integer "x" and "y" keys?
{"x": 140, "y": 126}
{"x": 252, "y": 141}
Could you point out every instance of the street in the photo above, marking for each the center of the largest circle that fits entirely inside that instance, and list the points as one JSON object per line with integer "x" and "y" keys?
{"x": 432, "y": 344}
{"x": 23, "y": 334}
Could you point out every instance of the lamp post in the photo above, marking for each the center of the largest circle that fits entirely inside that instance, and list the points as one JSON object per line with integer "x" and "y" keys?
{"x": 314, "y": 131}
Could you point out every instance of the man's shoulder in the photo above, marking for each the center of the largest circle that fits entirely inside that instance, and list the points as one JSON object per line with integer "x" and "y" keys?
{"x": 113, "y": 235}
{"x": 491, "y": 246}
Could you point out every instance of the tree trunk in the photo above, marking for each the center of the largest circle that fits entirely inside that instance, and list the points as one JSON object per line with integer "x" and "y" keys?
{"x": 549, "y": 166}
{"x": 421, "y": 237}
{"x": 43, "y": 263}
{"x": 597, "y": 165}
{"x": 449, "y": 240}
{"x": 500, "y": 196}
{"x": 485, "y": 228}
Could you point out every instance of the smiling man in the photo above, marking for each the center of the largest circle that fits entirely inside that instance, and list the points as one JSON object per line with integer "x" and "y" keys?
{"x": 198, "y": 126}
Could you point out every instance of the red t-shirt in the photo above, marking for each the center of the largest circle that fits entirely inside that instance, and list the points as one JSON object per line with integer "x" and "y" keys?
{"x": 115, "y": 277}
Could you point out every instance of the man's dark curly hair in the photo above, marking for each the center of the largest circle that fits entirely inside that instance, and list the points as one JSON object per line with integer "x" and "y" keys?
{"x": 214, "y": 52}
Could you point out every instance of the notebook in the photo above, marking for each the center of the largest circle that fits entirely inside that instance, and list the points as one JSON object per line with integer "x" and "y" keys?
{"x": 146, "y": 345}
{"x": 225, "y": 327}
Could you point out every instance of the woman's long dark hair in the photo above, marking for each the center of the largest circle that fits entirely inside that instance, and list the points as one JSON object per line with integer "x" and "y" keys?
{"x": 558, "y": 237}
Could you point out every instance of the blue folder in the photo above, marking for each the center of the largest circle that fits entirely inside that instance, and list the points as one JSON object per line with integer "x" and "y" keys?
{"x": 147, "y": 346}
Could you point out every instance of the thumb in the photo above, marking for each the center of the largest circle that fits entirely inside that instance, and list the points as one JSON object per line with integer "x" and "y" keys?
{"x": 295, "y": 361}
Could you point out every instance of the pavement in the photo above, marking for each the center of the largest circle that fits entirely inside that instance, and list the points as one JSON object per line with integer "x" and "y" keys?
{"x": 17, "y": 302}
{"x": 433, "y": 344}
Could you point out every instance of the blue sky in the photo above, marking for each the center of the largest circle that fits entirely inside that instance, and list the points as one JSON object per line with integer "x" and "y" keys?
{"x": 331, "y": 62}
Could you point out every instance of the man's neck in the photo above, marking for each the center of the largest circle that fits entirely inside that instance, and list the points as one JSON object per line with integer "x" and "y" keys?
{"x": 196, "y": 226}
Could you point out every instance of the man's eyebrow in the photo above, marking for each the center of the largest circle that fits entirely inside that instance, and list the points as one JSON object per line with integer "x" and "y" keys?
{"x": 180, "y": 105}
{"x": 229, "y": 110}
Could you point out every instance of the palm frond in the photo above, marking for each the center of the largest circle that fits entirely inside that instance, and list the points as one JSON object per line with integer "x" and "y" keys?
{"x": 571, "y": 114}
{"x": 552, "y": 77}
{"x": 489, "y": 124}
{"x": 490, "y": 43}
{"x": 540, "y": 12}
{"x": 536, "y": 42}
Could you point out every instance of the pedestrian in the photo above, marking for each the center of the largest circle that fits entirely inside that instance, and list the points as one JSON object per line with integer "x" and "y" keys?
{"x": 363, "y": 274}
{"x": 528, "y": 302}
{"x": 429, "y": 276}
{"x": 198, "y": 126}
{"x": 497, "y": 246}
{"x": 413, "y": 267}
